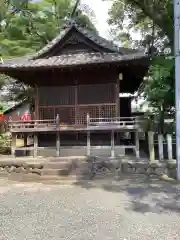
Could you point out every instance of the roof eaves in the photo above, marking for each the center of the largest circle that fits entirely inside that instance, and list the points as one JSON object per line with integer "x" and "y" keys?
{"x": 81, "y": 59}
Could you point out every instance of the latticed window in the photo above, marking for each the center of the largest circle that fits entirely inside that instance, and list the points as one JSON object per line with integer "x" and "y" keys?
{"x": 73, "y": 103}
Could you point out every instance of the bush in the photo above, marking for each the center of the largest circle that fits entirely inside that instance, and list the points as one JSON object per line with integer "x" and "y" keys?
{"x": 5, "y": 143}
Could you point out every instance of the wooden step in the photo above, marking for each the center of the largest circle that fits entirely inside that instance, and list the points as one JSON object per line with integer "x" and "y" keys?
{"x": 57, "y": 165}
{"x": 56, "y": 172}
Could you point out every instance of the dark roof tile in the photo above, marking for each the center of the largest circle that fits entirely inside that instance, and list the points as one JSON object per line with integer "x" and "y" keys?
{"x": 72, "y": 60}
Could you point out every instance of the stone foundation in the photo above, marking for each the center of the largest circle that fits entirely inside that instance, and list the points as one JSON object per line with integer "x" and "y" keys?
{"x": 81, "y": 167}
{"x": 104, "y": 151}
{"x": 150, "y": 168}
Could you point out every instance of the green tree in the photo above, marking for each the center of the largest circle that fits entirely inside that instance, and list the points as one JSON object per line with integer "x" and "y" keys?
{"x": 27, "y": 27}
{"x": 147, "y": 17}
{"x": 159, "y": 89}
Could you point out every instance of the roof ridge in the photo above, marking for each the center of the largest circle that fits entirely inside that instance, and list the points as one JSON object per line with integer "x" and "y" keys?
{"x": 87, "y": 31}
{"x": 113, "y": 45}
{"x": 86, "y": 53}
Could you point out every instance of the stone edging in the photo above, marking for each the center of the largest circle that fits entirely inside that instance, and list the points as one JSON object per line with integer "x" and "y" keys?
{"x": 21, "y": 167}
{"x": 117, "y": 166}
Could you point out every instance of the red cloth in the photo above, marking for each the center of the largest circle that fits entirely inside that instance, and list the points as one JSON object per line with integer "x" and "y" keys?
{"x": 26, "y": 117}
{"x": 1, "y": 117}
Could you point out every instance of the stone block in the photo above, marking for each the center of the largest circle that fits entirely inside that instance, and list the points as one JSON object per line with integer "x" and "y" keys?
{"x": 150, "y": 171}
{"x": 11, "y": 169}
{"x": 17, "y": 170}
{"x": 159, "y": 171}
{"x": 140, "y": 170}
{"x": 36, "y": 171}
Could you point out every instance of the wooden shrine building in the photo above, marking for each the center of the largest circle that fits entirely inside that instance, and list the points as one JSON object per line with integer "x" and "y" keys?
{"x": 77, "y": 79}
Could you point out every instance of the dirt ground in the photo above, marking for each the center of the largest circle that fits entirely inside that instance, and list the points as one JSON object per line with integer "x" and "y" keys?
{"x": 132, "y": 208}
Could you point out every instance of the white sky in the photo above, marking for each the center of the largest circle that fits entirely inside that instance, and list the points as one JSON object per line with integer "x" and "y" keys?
{"x": 100, "y": 9}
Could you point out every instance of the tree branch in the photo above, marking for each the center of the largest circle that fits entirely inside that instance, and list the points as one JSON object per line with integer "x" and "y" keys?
{"x": 32, "y": 26}
{"x": 157, "y": 14}
{"x": 75, "y": 8}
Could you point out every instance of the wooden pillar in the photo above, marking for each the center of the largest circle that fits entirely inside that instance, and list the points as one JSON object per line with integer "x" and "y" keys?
{"x": 169, "y": 146}
{"x": 37, "y": 104}
{"x": 160, "y": 147}
{"x": 25, "y": 143}
{"x": 88, "y": 136}
{"x": 151, "y": 146}
{"x": 57, "y": 136}
{"x": 137, "y": 144}
{"x": 118, "y": 103}
{"x": 58, "y": 144}
{"x": 112, "y": 145}
{"x": 35, "y": 144}
{"x": 25, "y": 140}
{"x": 13, "y": 145}
{"x": 117, "y": 98}
{"x": 88, "y": 143}
{"x": 76, "y": 103}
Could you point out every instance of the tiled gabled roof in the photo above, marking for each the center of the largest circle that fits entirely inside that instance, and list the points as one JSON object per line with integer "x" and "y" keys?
{"x": 116, "y": 54}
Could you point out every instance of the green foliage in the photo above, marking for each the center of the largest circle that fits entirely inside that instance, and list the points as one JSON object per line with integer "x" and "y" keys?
{"x": 26, "y": 26}
{"x": 5, "y": 143}
{"x": 18, "y": 92}
{"x": 147, "y": 17}
{"x": 159, "y": 90}
{"x": 159, "y": 87}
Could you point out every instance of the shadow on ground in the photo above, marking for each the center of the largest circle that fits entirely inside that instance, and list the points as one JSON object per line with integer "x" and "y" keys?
{"x": 145, "y": 194}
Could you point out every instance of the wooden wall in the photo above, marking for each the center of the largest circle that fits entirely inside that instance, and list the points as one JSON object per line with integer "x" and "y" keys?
{"x": 85, "y": 94}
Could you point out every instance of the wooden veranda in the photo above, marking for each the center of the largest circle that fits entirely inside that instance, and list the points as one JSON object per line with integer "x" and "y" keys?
{"x": 112, "y": 125}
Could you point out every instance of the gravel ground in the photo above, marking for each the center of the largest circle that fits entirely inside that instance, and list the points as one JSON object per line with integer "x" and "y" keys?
{"x": 133, "y": 208}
